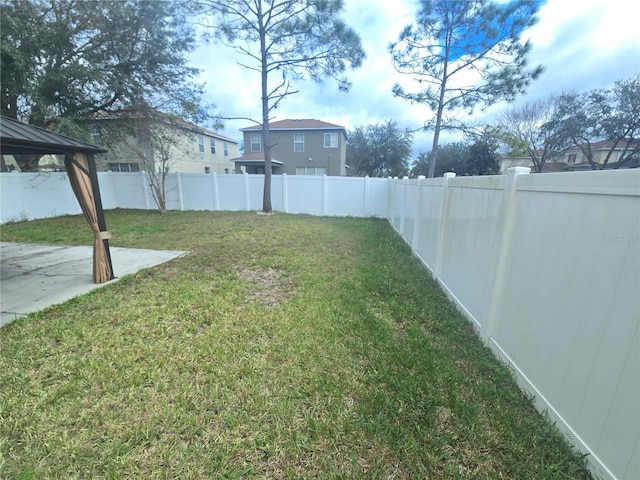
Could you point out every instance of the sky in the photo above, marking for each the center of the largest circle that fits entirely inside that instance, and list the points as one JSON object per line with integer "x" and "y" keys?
{"x": 581, "y": 45}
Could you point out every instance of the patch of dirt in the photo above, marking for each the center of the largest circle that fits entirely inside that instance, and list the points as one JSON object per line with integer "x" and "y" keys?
{"x": 267, "y": 286}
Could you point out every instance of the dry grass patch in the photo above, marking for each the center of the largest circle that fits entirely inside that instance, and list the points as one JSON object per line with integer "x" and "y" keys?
{"x": 266, "y": 286}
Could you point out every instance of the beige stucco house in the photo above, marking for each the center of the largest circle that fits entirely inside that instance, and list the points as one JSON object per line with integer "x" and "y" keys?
{"x": 137, "y": 144}
{"x": 299, "y": 147}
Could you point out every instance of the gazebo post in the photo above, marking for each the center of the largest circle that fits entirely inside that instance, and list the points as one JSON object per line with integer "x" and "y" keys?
{"x": 93, "y": 175}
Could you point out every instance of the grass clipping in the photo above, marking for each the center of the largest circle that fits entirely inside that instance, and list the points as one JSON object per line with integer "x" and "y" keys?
{"x": 267, "y": 287}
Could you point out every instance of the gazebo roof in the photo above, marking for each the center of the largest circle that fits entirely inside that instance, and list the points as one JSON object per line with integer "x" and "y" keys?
{"x": 18, "y": 138}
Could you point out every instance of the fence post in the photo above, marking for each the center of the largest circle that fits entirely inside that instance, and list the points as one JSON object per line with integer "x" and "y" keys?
{"x": 507, "y": 219}
{"x": 247, "y": 203}
{"x": 402, "y": 204}
{"x": 416, "y": 224}
{"x": 216, "y": 195}
{"x": 285, "y": 194}
{"x": 366, "y": 196}
{"x": 180, "y": 198}
{"x": 442, "y": 224}
{"x": 324, "y": 194}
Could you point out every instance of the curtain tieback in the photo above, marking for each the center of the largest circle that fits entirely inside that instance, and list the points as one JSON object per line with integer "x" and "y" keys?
{"x": 102, "y": 235}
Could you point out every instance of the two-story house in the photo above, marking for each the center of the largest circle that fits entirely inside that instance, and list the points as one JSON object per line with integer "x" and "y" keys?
{"x": 298, "y": 147}
{"x": 158, "y": 141}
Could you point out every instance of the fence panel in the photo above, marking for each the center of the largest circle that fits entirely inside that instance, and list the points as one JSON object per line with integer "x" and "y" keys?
{"x": 410, "y": 210}
{"x": 345, "y": 196}
{"x": 174, "y": 192}
{"x": 231, "y": 192}
{"x": 376, "y": 198}
{"x": 255, "y": 185}
{"x": 131, "y": 190}
{"x": 430, "y": 217}
{"x": 305, "y": 194}
{"x": 36, "y": 195}
{"x": 197, "y": 191}
{"x": 470, "y": 241}
{"x": 548, "y": 267}
{"x": 396, "y": 191}
{"x": 107, "y": 195}
{"x": 278, "y": 193}
{"x": 571, "y": 307}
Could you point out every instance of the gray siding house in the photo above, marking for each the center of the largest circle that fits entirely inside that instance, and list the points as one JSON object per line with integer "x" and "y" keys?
{"x": 298, "y": 147}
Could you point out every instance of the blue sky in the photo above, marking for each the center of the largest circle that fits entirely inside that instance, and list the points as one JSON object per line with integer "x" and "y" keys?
{"x": 582, "y": 45}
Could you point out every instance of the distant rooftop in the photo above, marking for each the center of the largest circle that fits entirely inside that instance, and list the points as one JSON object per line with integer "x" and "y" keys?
{"x": 297, "y": 124}
{"x": 124, "y": 114}
{"x": 255, "y": 157}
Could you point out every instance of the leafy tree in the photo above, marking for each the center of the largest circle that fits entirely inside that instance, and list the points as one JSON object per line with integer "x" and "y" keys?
{"x": 451, "y": 158}
{"x": 461, "y": 158}
{"x": 611, "y": 114}
{"x": 482, "y": 159}
{"x": 379, "y": 150}
{"x": 453, "y": 41}
{"x": 359, "y": 154}
{"x": 525, "y": 130}
{"x": 63, "y": 60}
{"x": 287, "y": 39}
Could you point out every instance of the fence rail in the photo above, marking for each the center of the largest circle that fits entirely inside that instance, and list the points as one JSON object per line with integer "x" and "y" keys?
{"x": 547, "y": 267}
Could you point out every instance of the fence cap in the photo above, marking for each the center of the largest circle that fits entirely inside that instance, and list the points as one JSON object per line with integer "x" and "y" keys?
{"x": 519, "y": 170}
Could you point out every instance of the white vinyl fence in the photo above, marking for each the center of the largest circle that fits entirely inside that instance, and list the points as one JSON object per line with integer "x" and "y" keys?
{"x": 28, "y": 196}
{"x": 546, "y": 266}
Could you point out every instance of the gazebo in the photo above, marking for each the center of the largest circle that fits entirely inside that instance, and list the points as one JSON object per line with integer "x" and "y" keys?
{"x": 17, "y": 138}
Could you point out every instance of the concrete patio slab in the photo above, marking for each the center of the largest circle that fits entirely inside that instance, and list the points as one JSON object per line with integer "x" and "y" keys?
{"x": 33, "y": 276}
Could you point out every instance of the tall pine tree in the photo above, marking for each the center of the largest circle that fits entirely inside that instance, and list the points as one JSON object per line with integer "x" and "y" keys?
{"x": 453, "y": 41}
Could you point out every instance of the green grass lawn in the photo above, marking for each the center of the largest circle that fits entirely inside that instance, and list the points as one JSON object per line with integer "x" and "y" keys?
{"x": 282, "y": 347}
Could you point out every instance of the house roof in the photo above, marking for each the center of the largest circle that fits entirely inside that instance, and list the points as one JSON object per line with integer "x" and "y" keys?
{"x": 297, "y": 124}
{"x": 627, "y": 164}
{"x": 17, "y": 138}
{"x": 608, "y": 144}
{"x": 102, "y": 115}
{"x": 254, "y": 158}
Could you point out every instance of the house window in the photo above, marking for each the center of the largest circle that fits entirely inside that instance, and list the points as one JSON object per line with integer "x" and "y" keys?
{"x": 124, "y": 167}
{"x": 330, "y": 140}
{"x": 212, "y": 145}
{"x": 298, "y": 142}
{"x": 95, "y": 132}
{"x": 207, "y": 169}
{"x": 225, "y": 145}
{"x": 226, "y": 170}
{"x": 572, "y": 158}
{"x": 200, "y": 144}
{"x": 310, "y": 170}
{"x": 255, "y": 142}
